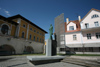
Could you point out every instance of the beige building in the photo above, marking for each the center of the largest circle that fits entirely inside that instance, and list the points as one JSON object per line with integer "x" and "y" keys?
{"x": 18, "y": 35}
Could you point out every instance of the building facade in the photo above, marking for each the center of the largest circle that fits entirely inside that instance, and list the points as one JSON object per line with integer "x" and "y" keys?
{"x": 19, "y": 35}
{"x": 82, "y": 36}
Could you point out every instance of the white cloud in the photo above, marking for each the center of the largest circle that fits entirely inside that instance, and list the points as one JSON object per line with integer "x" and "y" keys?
{"x": 7, "y": 12}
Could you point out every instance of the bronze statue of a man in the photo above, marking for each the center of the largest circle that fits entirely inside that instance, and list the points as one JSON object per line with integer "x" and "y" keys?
{"x": 51, "y": 31}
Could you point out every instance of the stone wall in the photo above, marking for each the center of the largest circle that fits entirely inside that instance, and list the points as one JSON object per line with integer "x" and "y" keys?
{"x": 19, "y": 44}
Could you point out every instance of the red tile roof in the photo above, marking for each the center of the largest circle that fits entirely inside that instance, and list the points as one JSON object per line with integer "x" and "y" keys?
{"x": 77, "y": 26}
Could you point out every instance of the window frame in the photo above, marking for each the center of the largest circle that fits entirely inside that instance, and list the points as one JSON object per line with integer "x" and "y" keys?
{"x": 37, "y": 39}
{"x": 40, "y": 39}
{"x": 34, "y": 38}
{"x": 24, "y": 25}
{"x": 74, "y": 37}
{"x": 8, "y": 32}
{"x": 71, "y": 28}
{"x": 30, "y": 37}
{"x": 89, "y": 36}
{"x": 22, "y": 34}
{"x": 96, "y": 24}
{"x": 31, "y": 29}
{"x": 97, "y": 35}
{"x": 86, "y": 25}
{"x": 35, "y": 31}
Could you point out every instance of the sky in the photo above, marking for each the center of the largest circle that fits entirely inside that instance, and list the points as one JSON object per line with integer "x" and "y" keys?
{"x": 43, "y": 12}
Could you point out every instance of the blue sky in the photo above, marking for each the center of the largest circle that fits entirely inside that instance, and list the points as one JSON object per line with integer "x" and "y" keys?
{"x": 43, "y": 12}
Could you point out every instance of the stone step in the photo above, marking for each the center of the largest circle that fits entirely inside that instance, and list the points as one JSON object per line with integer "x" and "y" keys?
{"x": 8, "y": 59}
{"x": 75, "y": 60}
{"x": 81, "y": 62}
{"x": 77, "y": 63}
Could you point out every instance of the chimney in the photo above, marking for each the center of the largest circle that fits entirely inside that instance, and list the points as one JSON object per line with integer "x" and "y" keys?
{"x": 79, "y": 18}
{"x": 67, "y": 20}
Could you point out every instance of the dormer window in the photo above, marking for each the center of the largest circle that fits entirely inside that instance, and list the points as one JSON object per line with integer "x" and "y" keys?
{"x": 94, "y": 16}
{"x": 71, "y": 28}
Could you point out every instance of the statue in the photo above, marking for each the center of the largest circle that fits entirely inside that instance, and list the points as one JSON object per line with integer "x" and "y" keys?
{"x": 51, "y": 31}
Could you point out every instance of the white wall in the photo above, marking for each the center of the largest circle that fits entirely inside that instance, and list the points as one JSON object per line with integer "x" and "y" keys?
{"x": 69, "y": 39}
{"x": 90, "y": 20}
{"x": 71, "y": 24}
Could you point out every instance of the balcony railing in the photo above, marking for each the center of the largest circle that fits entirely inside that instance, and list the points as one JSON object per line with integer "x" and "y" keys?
{"x": 90, "y": 26}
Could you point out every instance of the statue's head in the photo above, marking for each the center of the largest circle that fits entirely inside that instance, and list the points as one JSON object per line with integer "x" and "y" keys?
{"x": 50, "y": 24}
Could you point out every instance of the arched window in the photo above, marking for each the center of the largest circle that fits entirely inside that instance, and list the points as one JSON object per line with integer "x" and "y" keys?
{"x": 5, "y": 29}
{"x": 94, "y": 16}
{"x": 23, "y": 34}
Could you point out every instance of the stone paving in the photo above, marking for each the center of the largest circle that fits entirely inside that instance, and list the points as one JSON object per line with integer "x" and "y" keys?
{"x": 58, "y": 64}
{"x": 15, "y": 62}
{"x": 22, "y": 61}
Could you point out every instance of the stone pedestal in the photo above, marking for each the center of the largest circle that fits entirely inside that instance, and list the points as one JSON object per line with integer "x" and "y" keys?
{"x": 48, "y": 47}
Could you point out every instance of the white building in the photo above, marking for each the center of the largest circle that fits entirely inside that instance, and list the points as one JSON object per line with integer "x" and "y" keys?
{"x": 83, "y": 36}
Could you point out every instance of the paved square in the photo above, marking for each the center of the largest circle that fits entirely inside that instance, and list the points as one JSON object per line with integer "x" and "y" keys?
{"x": 22, "y": 61}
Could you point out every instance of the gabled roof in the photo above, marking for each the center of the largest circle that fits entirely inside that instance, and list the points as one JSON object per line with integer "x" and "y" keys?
{"x": 19, "y": 16}
{"x": 6, "y": 19}
{"x": 77, "y": 25}
{"x": 75, "y": 21}
{"x": 89, "y": 12}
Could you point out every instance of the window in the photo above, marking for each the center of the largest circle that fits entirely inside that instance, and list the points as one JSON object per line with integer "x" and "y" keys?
{"x": 34, "y": 30}
{"x": 23, "y": 34}
{"x": 43, "y": 40}
{"x": 90, "y": 49}
{"x": 94, "y": 16}
{"x": 99, "y": 49}
{"x": 34, "y": 38}
{"x": 75, "y": 49}
{"x": 37, "y": 39}
{"x": 5, "y": 29}
{"x": 61, "y": 37}
{"x": 40, "y": 39}
{"x": 86, "y": 25}
{"x": 89, "y": 36}
{"x": 38, "y": 32}
{"x": 96, "y": 24}
{"x": 97, "y": 35}
{"x": 74, "y": 37}
{"x": 71, "y": 28}
{"x": 62, "y": 49}
{"x": 24, "y": 25}
{"x": 43, "y": 35}
{"x": 30, "y": 28}
{"x": 30, "y": 36}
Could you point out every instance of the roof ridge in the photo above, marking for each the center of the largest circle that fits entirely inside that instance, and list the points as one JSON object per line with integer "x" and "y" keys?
{"x": 89, "y": 12}
{"x": 20, "y": 16}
